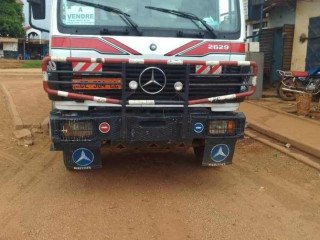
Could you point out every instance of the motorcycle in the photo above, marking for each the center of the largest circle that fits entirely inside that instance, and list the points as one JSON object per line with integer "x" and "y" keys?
{"x": 293, "y": 82}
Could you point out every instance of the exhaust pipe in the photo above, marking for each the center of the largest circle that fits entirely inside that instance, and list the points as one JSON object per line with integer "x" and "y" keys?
{"x": 292, "y": 90}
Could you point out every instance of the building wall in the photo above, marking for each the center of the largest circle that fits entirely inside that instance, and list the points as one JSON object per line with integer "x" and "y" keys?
{"x": 37, "y": 32}
{"x": 8, "y": 47}
{"x": 245, "y": 8}
{"x": 304, "y": 11}
{"x": 280, "y": 16}
{"x": 40, "y": 23}
{"x": 13, "y": 47}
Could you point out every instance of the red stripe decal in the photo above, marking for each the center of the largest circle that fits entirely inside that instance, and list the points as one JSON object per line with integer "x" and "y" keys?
{"x": 60, "y": 42}
{"x": 122, "y": 46}
{"x": 95, "y": 44}
{"x": 98, "y": 68}
{"x": 183, "y": 48}
{"x": 238, "y": 48}
{"x": 201, "y": 69}
{"x": 196, "y": 62}
{"x": 85, "y": 67}
{"x": 74, "y": 64}
{"x": 216, "y": 48}
{"x": 214, "y": 69}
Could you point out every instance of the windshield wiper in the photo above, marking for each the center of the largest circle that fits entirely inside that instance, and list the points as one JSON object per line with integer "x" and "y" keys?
{"x": 124, "y": 16}
{"x": 190, "y": 16}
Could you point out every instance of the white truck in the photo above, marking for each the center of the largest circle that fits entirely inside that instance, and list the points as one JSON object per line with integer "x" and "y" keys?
{"x": 145, "y": 73}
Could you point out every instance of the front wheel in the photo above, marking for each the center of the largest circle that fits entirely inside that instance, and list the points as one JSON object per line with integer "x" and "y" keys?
{"x": 199, "y": 152}
{"x": 67, "y": 161}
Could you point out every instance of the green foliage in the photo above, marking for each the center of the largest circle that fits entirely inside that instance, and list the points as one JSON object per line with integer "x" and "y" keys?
{"x": 11, "y": 19}
{"x": 31, "y": 64}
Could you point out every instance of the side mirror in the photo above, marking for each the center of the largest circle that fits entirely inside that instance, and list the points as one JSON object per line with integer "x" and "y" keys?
{"x": 38, "y": 8}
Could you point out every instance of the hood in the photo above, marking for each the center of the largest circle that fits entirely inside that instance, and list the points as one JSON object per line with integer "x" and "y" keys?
{"x": 146, "y": 47}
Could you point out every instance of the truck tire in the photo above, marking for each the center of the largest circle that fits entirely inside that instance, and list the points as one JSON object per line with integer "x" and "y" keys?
{"x": 66, "y": 161}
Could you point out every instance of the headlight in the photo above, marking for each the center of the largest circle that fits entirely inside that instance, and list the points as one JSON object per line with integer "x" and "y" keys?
{"x": 133, "y": 85}
{"x": 77, "y": 129}
{"x": 178, "y": 86}
{"x": 222, "y": 127}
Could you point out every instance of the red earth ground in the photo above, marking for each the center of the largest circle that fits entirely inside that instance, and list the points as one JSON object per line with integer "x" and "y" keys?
{"x": 263, "y": 195}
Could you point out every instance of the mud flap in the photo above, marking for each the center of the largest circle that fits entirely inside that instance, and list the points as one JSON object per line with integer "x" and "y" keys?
{"x": 218, "y": 152}
{"x": 78, "y": 157}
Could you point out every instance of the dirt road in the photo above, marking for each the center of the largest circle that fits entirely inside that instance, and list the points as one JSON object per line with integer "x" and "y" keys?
{"x": 263, "y": 195}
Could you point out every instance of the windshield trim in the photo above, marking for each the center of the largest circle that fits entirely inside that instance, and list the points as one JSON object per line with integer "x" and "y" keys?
{"x": 147, "y": 31}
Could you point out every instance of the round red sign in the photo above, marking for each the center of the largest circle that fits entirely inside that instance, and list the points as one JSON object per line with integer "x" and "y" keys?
{"x": 104, "y": 127}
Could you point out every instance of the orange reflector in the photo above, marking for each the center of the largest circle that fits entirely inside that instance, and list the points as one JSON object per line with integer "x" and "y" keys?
{"x": 97, "y": 84}
{"x": 230, "y": 127}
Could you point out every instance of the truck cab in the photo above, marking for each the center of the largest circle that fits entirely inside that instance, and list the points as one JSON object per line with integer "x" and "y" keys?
{"x": 145, "y": 74}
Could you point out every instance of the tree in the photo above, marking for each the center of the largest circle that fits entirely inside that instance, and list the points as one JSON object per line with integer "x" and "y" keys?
{"x": 11, "y": 19}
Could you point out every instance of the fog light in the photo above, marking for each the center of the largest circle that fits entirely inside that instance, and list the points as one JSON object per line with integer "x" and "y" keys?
{"x": 133, "y": 85}
{"x": 178, "y": 86}
{"x": 77, "y": 129}
{"x": 222, "y": 127}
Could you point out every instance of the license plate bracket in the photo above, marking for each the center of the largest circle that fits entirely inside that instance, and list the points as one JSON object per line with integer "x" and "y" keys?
{"x": 94, "y": 84}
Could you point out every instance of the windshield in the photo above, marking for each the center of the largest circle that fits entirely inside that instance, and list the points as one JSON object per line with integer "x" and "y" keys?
{"x": 220, "y": 17}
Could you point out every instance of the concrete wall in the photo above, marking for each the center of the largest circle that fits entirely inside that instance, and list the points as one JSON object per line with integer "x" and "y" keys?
{"x": 304, "y": 11}
{"x": 245, "y": 8}
{"x": 10, "y": 47}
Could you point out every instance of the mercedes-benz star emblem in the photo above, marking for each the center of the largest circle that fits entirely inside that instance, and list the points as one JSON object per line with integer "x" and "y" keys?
{"x": 220, "y": 153}
{"x": 153, "y": 47}
{"x": 83, "y": 157}
{"x": 152, "y": 80}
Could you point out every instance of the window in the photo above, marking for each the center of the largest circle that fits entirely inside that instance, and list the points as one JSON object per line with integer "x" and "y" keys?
{"x": 222, "y": 15}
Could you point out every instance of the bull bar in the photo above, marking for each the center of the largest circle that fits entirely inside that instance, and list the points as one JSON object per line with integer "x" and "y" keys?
{"x": 75, "y": 96}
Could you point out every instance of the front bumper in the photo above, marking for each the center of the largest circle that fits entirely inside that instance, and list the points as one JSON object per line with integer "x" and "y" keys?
{"x": 154, "y": 126}
{"x": 163, "y": 128}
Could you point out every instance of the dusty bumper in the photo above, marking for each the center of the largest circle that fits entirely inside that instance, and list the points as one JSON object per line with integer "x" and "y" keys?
{"x": 143, "y": 129}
